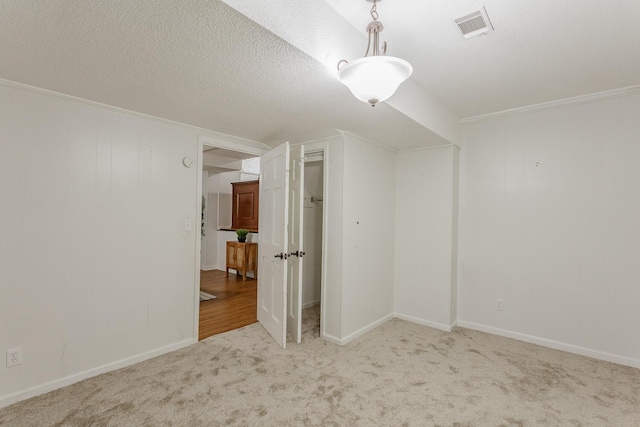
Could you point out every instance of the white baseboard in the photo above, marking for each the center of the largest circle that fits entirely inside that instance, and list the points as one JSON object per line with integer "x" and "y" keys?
{"x": 310, "y": 304}
{"x": 331, "y": 338}
{"x": 208, "y": 268}
{"x": 352, "y": 336}
{"x": 429, "y": 323}
{"x": 557, "y": 345}
{"x": 62, "y": 382}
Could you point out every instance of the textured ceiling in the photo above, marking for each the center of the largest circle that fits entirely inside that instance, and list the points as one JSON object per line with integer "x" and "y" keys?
{"x": 203, "y": 63}
{"x": 195, "y": 62}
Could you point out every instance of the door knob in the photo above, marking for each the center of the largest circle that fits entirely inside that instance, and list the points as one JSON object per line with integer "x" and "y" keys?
{"x": 282, "y": 256}
{"x": 299, "y": 254}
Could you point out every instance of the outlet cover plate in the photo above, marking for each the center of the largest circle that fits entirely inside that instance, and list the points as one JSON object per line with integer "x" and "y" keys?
{"x": 14, "y": 357}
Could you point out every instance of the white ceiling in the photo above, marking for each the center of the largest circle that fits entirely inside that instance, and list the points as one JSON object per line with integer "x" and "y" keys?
{"x": 540, "y": 51}
{"x": 203, "y": 63}
{"x": 217, "y": 160}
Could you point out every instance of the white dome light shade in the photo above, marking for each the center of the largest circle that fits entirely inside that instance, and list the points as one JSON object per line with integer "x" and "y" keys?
{"x": 374, "y": 79}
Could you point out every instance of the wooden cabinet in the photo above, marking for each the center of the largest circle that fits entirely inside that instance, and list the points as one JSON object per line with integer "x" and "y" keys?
{"x": 245, "y": 205}
{"x": 242, "y": 257}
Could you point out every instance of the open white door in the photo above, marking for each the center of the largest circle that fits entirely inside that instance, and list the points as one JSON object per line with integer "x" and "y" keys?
{"x": 272, "y": 242}
{"x": 296, "y": 204}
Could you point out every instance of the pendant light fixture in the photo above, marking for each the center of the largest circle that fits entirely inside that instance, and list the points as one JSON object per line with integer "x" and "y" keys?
{"x": 374, "y": 78}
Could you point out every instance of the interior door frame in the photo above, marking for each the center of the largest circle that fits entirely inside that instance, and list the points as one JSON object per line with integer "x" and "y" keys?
{"x": 209, "y": 141}
{"x": 296, "y": 241}
{"x": 314, "y": 145}
{"x": 310, "y": 147}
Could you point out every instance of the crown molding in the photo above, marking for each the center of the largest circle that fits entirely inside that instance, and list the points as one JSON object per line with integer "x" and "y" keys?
{"x": 582, "y": 99}
{"x": 386, "y": 147}
{"x": 431, "y": 147}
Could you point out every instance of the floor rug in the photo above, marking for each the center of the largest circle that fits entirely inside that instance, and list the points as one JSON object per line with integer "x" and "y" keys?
{"x": 206, "y": 297}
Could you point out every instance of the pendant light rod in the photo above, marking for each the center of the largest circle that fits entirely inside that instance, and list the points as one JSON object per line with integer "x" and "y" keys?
{"x": 375, "y": 27}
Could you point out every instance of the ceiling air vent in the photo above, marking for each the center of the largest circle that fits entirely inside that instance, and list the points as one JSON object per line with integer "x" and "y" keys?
{"x": 474, "y": 23}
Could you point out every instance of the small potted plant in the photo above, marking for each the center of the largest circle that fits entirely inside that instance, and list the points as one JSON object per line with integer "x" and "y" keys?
{"x": 242, "y": 234}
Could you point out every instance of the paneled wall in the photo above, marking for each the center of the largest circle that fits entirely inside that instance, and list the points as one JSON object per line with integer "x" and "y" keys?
{"x": 331, "y": 303}
{"x": 368, "y": 235}
{"x": 97, "y": 268}
{"x": 550, "y": 224}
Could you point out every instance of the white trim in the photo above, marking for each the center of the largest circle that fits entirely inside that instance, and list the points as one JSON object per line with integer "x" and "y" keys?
{"x": 386, "y": 147}
{"x": 71, "y": 379}
{"x": 226, "y": 143}
{"x": 314, "y": 145}
{"x": 218, "y": 136}
{"x": 424, "y": 322}
{"x": 557, "y": 345}
{"x": 582, "y": 99}
{"x": 429, "y": 148}
{"x": 198, "y": 248}
{"x": 371, "y": 326}
{"x": 331, "y": 339}
{"x": 324, "y": 145}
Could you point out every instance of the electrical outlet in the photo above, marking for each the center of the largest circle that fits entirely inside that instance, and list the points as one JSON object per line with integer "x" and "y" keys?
{"x": 14, "y": 357}
{"x": 499, "y": 305}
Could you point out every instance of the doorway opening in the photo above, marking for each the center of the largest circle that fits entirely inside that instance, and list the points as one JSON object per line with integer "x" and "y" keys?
{"x": 211, "y": 264}
{"x": 228, "y": 293}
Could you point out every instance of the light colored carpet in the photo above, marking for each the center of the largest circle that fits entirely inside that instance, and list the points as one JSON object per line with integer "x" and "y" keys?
{"x": 400, "y": 374}
{"x": 206, "y": 297}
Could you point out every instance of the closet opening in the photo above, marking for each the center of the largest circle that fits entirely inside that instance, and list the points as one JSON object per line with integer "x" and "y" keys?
{"x": 312, "y": 225}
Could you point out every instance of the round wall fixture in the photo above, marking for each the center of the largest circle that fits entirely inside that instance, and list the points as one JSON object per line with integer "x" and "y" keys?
{"x": 187, "y": 162}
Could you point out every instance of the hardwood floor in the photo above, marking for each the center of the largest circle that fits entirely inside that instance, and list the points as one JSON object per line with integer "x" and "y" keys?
{"x": 235, "y": 306}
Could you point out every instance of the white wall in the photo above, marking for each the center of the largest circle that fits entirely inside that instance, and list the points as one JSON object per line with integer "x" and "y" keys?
{"x": 331, "y": 302}
{"x": 549, "y": 222}
{"x": 368, "y": 236}
{"x": 211, "y": 239}
{"x": 97, "y": 269}
{"x": 425, "y": 237}
{"x": 221, "y": 186}
{"x": 219, "y": 214}
{"x": 312, "y": 233}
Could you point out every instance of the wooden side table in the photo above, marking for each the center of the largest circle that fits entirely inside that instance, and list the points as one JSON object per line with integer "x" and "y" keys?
{"x": 242, "y": 257}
